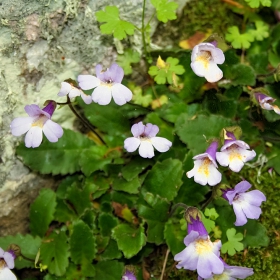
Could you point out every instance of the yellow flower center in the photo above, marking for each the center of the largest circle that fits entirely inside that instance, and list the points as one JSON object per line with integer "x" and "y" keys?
{"x": 40, "y": 121}
{"x": 204, "y": 167}
{"x": 234, "y": 153}
{"x": 203, "y": 246}
{"x": 204, "y": 57}
{"x": 222, "y": 276}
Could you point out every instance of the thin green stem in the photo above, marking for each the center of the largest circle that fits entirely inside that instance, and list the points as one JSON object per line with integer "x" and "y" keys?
{"x": 207, "y": 202}
{"x": 176, "y": 206}
{"x": 143, "y": 29}
{"x": 84, "y": 121}
{"x": 150, "y": 20}
{"x": 26, "y": 258}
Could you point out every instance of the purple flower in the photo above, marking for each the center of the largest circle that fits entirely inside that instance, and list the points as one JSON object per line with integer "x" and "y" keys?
{"x": 231, "y": 273}
{"x": 72, "y": 92}
{"x": 144, "y": 137}
{"x": 200, "y": 254}
{"x": 205, "y": 57}
{"x": 128, "y": 276}
{"x": 266, "y": 101}
{"x": 234, "y": 153}
{"x": 245, "y": 205}
{"x": 106, "y": 84}
{"x": 205, "y": 167}
{"x": 7, "y": 263}
{"x": 196, "y": 225}
{"x": 39, "y": 121}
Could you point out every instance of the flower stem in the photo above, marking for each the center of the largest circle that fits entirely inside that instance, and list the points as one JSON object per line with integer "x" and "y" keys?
{"x": 26, "y": 258}
{"x": 164, "y": 264}
{"x": 176, "y": 206}
{"x": 84, "y": 121}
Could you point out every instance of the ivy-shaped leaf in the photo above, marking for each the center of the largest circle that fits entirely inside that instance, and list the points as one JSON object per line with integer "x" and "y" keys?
{"x": 165, "y": 10}
{"x": 42, "y": 212}
{"x": 257, "y": 3}
{"x": 113, "y": 24}
{"x": 61, "y": 157}
{"x": 55, "y": 253}
{"x": 261, "y": 31}
{"x": 140, "y": 99}
{"x": 125, "y": 60}
{"x": 130, "y": 240}
{"x": 233, "y": 243}
{"x": 165, "y": 71}
{"x": 238, "y": 40}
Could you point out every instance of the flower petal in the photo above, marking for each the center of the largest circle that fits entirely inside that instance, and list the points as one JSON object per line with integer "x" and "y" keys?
{"x": 88, "y": 81}
{"x": 52, "y": 130}
{"x": 34, "y": 137}
{"x": 242, "y": 186}
{"x": 239, "y": 271}
{"x": 116, "y": 73}
{"x": 137, "y": 129}
{"x": 251, "y": 211}
{"x": 240, "y": 216}
{"x": 215, "y": 176}
{"x": 131, "y": 144}
{"x": 121, "y": 94}
{"x": 151, "y": 130}
{"x": 254, "y": 197}
{"x": 65, "y": 89}
{"x": 7, "y": 274}
{"x": 21, "y": 125}
{"x": 87, "y": 98}
{"x": 102, "y": 95}
{"x": 209, "y": 263}
{"x": 161, "y": 144}
{"x": 146, "y": 149}
{"x": 74, "y": 92}
{"x": 32, "y": 110}
{"x": 9, "y": 259}
{"x": 213, "y": 73}
{"x": 187, "y": 258}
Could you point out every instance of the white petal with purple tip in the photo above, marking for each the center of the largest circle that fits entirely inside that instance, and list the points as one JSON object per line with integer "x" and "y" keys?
{"x": 32, "y": 110}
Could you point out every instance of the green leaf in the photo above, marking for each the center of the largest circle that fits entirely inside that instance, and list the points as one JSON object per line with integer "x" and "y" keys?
{"x": 130, "y": 240}
{"x": 113, "y": 24}
{"x": 109, "y": 270}
{"x": 63, "y": 212}
{"x": 126, "y": 59}
{"x": 192, "y": 131}
{"x": 174, "y": 236}
{"x": 257, "y": 3}
{"x": 241, "y": 74}
{"x": 261, "y": 31}
{"x": 132, "y": 186}
{"x": 93, "y": 159}
{"x": 211, "y": 213}
{"x": 66, "y": 152}
{"x": 165, "y": 10}
{"x": 140, "y": 99}
{"x": 239, "y": 41}
{"x": 165, "y": 178}
{"x": 55, "y": 253}
{"x": 165, "y": 74}
{"x": 82, "y": 244}
{"x": 28, "y": 244}
{"x": 233, "y": 243}
{"x": 208, "y": 223}
{"x": 111, "y": 252}
{"x": 155, "y": 232}
{"x": 106, "y": 223}
{"x": 42, "y": 212}
{"x": 133, "y": 168}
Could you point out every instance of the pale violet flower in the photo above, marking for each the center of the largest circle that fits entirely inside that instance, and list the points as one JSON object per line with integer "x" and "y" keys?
{"x": 205, "y": 167}
{"x": 266, "y": 101}
{"x": 106, "y": 84}
{"x": 234, "y": 153}
{"x": 144, "y": 137}
{"x": 245, "y": 204}
{"x": 231, "y": 273}
{"x": 200, "y": 254}
{"x": 71, "y": 91}
{"x": 39, "y": 121}
{"x": 204, "y": 60}
{"x": 6, "y": 264}
{"x": 129, "y": 275}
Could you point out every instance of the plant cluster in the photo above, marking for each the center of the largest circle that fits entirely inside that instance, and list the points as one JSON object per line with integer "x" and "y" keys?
{"x": 125, "y": 180}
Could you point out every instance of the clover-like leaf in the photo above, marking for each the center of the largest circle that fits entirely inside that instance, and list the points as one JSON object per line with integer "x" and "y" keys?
{"x": 257, "y": 3}
{"x": 113, "y": 24}
{"x": 238, "y": 40}
{"x": 130, "y": 240}
{"x": 233, "y": 243}
{"x": 126, "y": 59}
{"x": 165, "y": 10}
{"x": 211, "y": 213}
{"x": 141, "y": 99}
{"x": 261, "y": 31}
{"x": 165, "y": 71}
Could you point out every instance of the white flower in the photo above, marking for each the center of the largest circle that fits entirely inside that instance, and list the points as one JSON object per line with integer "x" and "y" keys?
{"x": 145, "y": 138}
{"x": 106, "y": 84}
{"x": 72, "y": 92}
{"x": 205, "y": 57}
{"x": 6, "y": 263}
{"x": 205, "y": 167}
